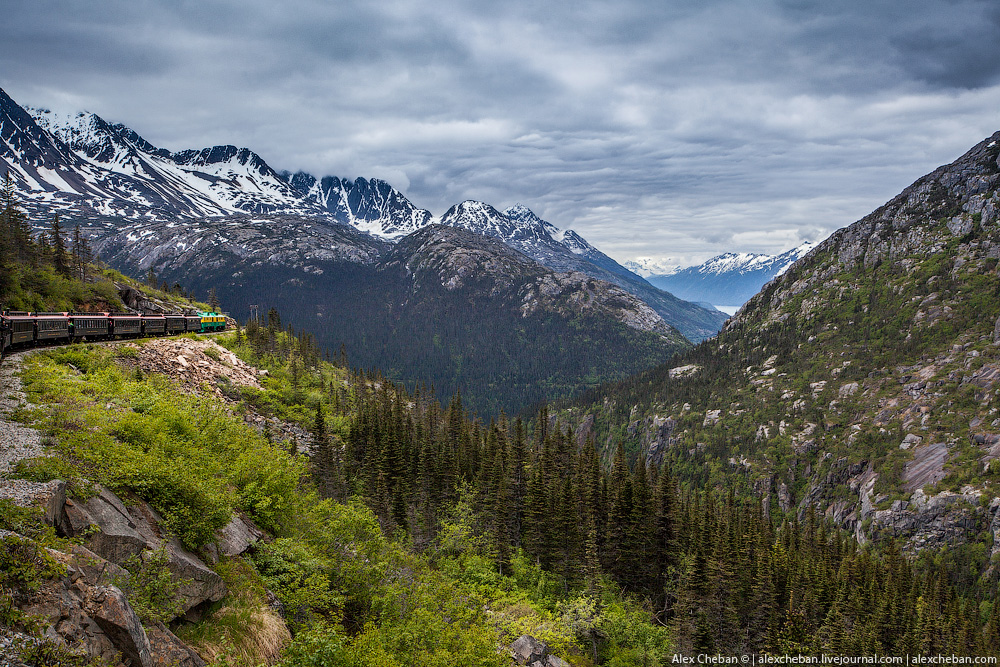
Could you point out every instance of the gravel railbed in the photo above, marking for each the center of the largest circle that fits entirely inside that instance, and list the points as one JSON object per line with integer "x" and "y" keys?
{"x": 17, "y": 442}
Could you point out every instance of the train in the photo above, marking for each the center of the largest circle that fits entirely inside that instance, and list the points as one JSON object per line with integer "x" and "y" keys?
{"x": 23, "y": 329}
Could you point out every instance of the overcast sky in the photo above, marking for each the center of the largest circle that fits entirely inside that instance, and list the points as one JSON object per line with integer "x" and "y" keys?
{"x": 655, "y": 128}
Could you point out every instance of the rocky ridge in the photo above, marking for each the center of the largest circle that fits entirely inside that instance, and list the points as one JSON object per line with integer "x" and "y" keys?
{"x": 457, "y": 259}
{"x": 862, "y": 383}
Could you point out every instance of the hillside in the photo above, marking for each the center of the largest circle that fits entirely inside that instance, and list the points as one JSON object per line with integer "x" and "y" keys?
{"x": 211, "y": 494}
{"x": 443, "y": 306}
{"x": 254, "y": 505}
{"x": 859, "y": 385}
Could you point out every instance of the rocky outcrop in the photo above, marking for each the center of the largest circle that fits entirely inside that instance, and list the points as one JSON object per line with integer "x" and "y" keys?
{"x": 110, "y": 609}
{"x": 86, "y": 612}
{"x": 531, "y": 652}
{"x": 197, "y": 364}
{"x": 933, "y": 521}
{"x": 117, "y": 533}
{"x": 235, "y": 538}
{"x": 169, "y": 651}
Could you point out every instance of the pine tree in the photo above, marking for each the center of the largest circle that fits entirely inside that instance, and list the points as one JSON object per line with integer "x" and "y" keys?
{"x": 213, "y": 300}
{"x": 319, "y": 425}
{"x": 59, "y": 257}
{"x": 81, "y": 255}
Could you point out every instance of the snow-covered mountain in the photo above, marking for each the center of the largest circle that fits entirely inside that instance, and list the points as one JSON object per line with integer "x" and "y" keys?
{"x": 729, "y": 279}
{"x": 648, "y": 266}
{"x": 220, "y": 180}
{"x": 107, "y": 178}
{"x": 372, "y": 206}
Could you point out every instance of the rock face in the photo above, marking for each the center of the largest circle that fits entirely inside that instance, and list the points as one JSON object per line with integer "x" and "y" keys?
{"x": 120, "y": 533}
{"x": 531, "y": 652}
{"x": 110, "y": 610}
{"x": 85, "y": 611}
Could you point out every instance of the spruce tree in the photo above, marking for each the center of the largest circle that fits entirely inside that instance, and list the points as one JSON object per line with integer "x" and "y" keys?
{"x": 60, "y": 260}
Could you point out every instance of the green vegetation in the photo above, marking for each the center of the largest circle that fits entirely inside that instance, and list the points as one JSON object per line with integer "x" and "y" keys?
{"x": 353, "y": 585}
{"x": 151, "y": 587}
{"x": 142, "y": 436}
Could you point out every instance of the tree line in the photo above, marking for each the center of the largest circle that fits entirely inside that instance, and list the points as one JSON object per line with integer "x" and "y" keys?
{"x": 68, "y": 254}
{"x": 709, "y": 562}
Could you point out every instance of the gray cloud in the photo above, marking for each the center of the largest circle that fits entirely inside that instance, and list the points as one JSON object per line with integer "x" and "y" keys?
{"x": 671, "y": 129}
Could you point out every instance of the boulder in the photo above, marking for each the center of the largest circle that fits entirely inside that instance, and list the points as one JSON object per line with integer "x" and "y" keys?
{"x": 168, "y": 650}
{"x": 117, "y": 538}
{"x": 118, "y": 533}
{"x": 111, "y": 611}
{"x": 85, "y": 611}
{"x": 528, "y": 650}
{"x": 849, "y": 389}
{"x": 238, "y": 535}
{"x": 960, "y": 225}
{"x": 532, "y": 652}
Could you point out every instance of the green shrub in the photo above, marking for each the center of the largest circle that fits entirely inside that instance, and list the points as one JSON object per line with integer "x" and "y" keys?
{"x": 151, "y": 587}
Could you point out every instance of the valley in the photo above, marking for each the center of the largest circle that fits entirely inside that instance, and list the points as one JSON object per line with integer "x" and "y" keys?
{"x": 525, "y": 452}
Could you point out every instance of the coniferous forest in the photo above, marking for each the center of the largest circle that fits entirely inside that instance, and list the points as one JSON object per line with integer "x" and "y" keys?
{"x": 710, "y": 565}
{"x": 404, "y": 531}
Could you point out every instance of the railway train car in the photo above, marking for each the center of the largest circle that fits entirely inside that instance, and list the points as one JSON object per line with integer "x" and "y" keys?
{"x": 125, "y": 324}
{"x": 213, "y": 321}
{"x": 23, "y": 329}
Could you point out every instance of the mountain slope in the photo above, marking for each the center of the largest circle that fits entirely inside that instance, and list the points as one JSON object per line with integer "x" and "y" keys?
{"x": 729, "y": 279}
{"x": 565, "y": 250}
{"x": 98, "y": 174}
{"x": 861, "y": 384}
{"x": 443, "y": 306}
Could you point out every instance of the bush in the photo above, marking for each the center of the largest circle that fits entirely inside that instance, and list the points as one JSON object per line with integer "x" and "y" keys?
{"x": 151, "y": 587}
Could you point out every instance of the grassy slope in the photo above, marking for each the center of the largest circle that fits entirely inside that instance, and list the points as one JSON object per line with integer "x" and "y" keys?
{"x": 352, "y": 595}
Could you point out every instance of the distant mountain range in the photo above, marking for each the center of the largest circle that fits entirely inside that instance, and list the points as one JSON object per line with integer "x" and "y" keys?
{"x": 107, "y": 178}
{"x": 727, "y": 280}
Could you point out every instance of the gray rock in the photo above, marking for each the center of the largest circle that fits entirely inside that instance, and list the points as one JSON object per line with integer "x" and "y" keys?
{"x": 168, "y": 650}
{"x": 927, "y": 466}
{"x": 784, "y": 497}
{"x": 110, "y": 610}
{"x": 848, "y": 389}
{"x": 85, "y": 609}
{"x": 118, "y": 539}
{"x": 528, "y": 650}
{"x": 960, "y": 225}
{"x": 239, "y": 535}
{"x": 74, "y": 520}
{"x": 996, "y": 332}
{"x": 126, "y": 532}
